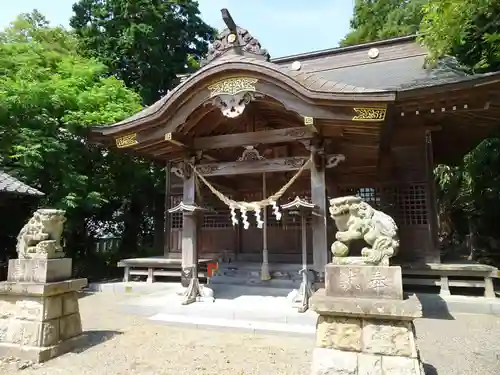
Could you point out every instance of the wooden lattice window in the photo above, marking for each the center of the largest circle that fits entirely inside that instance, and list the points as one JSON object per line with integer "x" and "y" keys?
{"x": 412, "y": 203}
{"x": 407, "y": 204}
{"x": 175, "y": 218}
{"x": 370, "y": 195}
{"x": 217, "y": 217}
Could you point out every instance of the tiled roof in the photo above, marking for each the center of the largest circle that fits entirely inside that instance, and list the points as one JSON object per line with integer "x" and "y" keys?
{"x": 401, "y": 74}
{"x": 9, "y": 184}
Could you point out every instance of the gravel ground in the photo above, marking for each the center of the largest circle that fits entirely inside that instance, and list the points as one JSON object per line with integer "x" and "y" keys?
{"x": 125, "y": 344}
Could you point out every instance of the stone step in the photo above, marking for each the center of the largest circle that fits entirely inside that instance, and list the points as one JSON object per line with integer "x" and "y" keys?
{"x": 275, "y": 314}
{"x": 255, "y": 326}
{"x": 246, "y": 281}
{"x": 252, "y": 270}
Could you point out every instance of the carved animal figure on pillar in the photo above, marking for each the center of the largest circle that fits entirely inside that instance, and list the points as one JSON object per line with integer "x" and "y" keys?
{"x": 41, "y": 235}
{"x": 355, "y": 220}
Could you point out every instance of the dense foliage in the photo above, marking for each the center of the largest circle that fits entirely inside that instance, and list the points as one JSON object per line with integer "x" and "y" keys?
{"x": 122, "y": 54}
{"x": 469, "y": 30}
{"x": 144, "y": 42}
{"x": 381, "y": 19}
{"x": 49, "y": 94}
{"x": 54, "y": 83}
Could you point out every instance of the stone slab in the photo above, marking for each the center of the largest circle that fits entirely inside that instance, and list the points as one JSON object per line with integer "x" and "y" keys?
{"x": 69, "y": 303}
{"x": 39, "y": 270}
{"x": 407, "y": 309}
{"x": 363, "y": 281}
{"x": 339, "y": 333}
{"x": 29, "y": 333}
{"x": 388, "y": 338}
{"x": 41, "y": 354}
{"x": 334, "y": 362}
{"x": 393, "y": 365}
{"x": 70, "y": 326}
{"x": 31, "y": 308}
{"x": 369, "y": 364}
{"x": 39, "y": 289}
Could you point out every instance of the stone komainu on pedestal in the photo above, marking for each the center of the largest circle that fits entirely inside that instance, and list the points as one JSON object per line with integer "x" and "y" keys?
{"x": 364, "y": 326}
{"x": 39, "y": 314}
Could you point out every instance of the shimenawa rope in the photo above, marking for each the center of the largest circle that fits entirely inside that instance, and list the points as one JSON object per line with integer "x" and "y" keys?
{"x": 256, "y": 206}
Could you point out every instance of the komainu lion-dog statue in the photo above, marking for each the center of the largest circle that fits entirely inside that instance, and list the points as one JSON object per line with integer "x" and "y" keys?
{"x": 357, "y": 220}
{"x": 40, "y": 238}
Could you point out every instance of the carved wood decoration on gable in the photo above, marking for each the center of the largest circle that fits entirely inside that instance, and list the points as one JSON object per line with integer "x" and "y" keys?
{"x": 236, "y": 40}
{"x": 232, "y": 95}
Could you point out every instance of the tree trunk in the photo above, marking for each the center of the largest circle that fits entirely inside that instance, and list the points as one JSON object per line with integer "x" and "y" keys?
{"x": 472, "y": 242}
{"x": 132, "y": 227}
{"x": 159, "y": 223}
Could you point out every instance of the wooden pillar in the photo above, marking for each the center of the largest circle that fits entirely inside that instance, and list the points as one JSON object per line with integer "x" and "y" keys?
{"x": 319, "y": 221}
{"x": 190, "y": 222}
{"x": 167, "y": 245}
{"x": 265, "y": 275}
{"x": 431, "y": 198}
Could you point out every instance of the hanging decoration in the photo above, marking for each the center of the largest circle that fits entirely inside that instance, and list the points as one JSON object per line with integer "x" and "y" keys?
{"x": 257, "y": 206}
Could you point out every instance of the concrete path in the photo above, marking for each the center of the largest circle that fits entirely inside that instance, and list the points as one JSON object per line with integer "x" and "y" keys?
{"x": 259, "y": 309}
{"x": 236, "y": 308}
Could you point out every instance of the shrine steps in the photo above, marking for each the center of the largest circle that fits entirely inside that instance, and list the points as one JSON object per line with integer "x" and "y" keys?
{"x": 237, "y": 308}
{"x": 283, "y": 275}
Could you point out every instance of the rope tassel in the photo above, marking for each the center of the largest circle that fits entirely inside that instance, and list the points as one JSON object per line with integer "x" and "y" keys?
{"x": 244, "y": 218}
{"x": 276, "y": 210}
{"x": 234, "y": 217}
{"x": 257, "y": 206}
{"x": 260, "y": 222}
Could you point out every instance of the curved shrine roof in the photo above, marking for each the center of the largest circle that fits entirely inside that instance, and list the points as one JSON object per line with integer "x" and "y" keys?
{"x": 312, "y": 82}
{"x": 380, "y": 71}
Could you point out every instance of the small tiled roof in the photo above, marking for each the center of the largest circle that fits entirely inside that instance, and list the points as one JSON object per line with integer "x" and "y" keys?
{"x": 9, "y": 184}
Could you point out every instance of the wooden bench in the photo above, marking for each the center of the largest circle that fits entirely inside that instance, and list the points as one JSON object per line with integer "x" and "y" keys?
{"x": 467, "y": 275}
{"x": 158, "y": 266}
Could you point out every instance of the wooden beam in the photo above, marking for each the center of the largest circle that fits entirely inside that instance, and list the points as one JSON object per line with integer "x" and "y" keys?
{"x": 251, "y": 138}
{"x": 228, "y": 20}
{"x": 177, "y": 139}
{"x": 287, "y": 164}
{"x": 309, "y": 122}
{"x": 253, "y": 166}
{"x": 386, "y": 137}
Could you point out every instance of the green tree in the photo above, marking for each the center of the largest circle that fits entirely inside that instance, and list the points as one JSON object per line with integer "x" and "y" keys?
{"x": 469, "y": 30}
{"x": 144, "y": 42}
{"x": 382, "y": 19}
{"x": 49, "y": 95}
{"x": 466, "y": 29}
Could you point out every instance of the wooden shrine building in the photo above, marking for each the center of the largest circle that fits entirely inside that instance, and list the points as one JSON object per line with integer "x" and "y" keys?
{"x": 368, "y": 120}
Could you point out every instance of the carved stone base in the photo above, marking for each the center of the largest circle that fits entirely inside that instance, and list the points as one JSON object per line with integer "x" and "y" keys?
{"x": 365, "y": 336}
{"x": 197, "y": 293}
{"x": 39, "y": 270}
{"x": 42, "y": 354}
{"x": 301, "y": 300}
{"x": 265, "y": 275}
{"x": 364, "y": 281}
{"x": 39, "y": 321}
{"x": 186, "y": 276}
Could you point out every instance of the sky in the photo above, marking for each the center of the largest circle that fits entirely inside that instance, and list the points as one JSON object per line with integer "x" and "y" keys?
{"x": 283, "y": 27}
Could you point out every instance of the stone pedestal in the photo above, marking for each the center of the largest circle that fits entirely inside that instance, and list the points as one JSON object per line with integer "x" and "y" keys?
{"x": 39, "y": 314}
{"x": 365, "y": 327}
{"x": 39, "y": 270}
